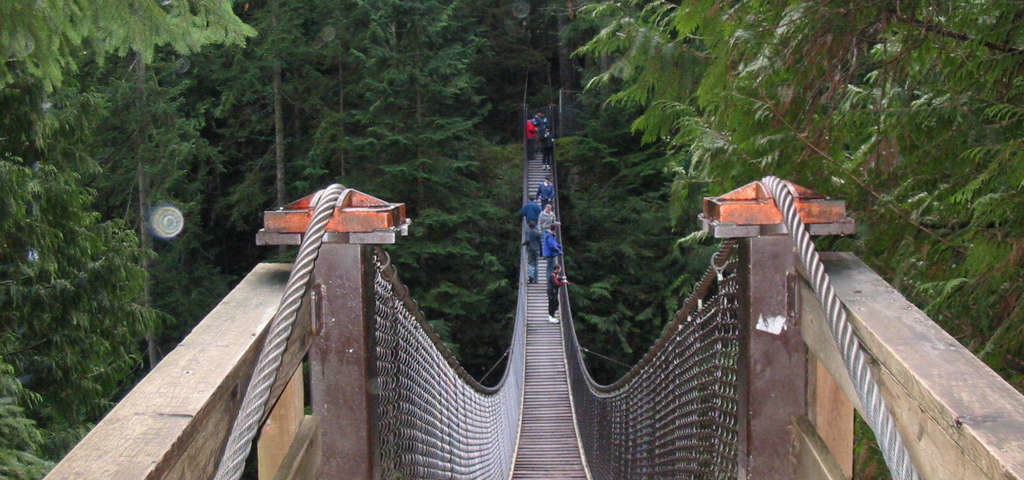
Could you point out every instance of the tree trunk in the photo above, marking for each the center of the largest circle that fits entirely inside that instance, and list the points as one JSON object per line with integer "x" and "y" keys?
{"x": 142, "y": 178}
{"x": 278, "y": 132}
{"x": 420, "y": 200}
{"x": 278, "y": 123}
{"x": 341, "y": 105}
{"x": 565, "y": 73}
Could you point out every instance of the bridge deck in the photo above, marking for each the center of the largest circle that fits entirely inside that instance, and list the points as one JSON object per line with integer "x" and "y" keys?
{"x": 548, "y": 447}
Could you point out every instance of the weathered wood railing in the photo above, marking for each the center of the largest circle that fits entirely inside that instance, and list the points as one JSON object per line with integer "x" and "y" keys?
{"x": 959, "y": 420}
{"x": 175, "y": 422}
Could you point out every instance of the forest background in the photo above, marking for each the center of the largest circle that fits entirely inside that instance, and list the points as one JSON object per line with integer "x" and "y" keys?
{"x": 912, "y": 112}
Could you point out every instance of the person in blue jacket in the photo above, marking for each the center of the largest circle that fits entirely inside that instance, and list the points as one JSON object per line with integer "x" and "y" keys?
{"x": 530, "y": 210}
{"x": 546, "y": 191}
{"x": 550, "y": 248}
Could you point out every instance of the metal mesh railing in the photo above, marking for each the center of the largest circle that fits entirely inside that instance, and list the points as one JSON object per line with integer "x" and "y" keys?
{"x": 674, "y": 414}
{"x": 435, "y": 421}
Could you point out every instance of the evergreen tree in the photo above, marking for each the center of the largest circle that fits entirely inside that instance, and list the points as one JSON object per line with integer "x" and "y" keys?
{"x": 70, "y": 327}
{"x": 413, "y": 122}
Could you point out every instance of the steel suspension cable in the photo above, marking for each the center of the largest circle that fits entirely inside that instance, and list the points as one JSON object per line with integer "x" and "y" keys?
{"x": 878, "y": 416}
{"x": 250, "y": 414}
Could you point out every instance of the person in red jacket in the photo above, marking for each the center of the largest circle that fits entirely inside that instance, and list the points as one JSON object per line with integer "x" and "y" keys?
{"x": 531, "y": 138}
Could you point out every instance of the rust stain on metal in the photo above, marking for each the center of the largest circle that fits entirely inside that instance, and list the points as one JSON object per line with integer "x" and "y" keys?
{"x": 358, "y": 212}
{"x": 752, "y": 204}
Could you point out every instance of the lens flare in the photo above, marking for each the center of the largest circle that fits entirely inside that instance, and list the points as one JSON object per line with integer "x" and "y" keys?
{"x": 520, "y": 9}
{"x": 166, "y": 221}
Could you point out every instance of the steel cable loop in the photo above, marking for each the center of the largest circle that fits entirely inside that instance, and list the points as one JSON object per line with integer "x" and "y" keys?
{"x": 250, "y": 414}
{"x": 875, "y": 409}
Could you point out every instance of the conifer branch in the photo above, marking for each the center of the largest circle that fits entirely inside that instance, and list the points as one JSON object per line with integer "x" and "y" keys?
{"x": 945, "y": 32}
{"x": 802, "y": 136}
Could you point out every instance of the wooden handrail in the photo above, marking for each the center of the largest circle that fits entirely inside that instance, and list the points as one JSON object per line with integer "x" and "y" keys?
{"x": 958, "y": 418}
{"x": 175, "y": 421}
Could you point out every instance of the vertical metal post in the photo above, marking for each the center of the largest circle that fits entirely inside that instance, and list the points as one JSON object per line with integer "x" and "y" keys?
{"x": 342, "y": 366}
{"x": 772, "y": 362}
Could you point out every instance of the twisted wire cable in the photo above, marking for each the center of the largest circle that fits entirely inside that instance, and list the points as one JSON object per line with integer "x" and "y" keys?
{"x": 875, "y": 409}
{"x": 265, "y": 373}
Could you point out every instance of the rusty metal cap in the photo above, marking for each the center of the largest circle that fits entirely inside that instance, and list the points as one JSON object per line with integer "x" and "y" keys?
{"x": 357, "y": 215}
{"x": 750, "y": 211}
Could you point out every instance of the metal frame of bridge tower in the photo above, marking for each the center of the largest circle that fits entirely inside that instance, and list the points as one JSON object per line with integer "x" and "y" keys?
{"x": 777, "y": 386}
{"x": 341, "y": 299}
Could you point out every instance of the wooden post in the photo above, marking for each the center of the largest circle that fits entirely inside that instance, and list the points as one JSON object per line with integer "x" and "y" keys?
{"x": 831, "y": 413}
{"x": 342, "y": 357}
{"x": 772, "y": 362}
{"x": 773, "y": 372}
{"x": 342, "y": 366}
{"x": 279, "y": 430}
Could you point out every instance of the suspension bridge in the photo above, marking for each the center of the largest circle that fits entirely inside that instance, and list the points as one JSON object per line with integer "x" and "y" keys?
{"x": 330, "y": 366}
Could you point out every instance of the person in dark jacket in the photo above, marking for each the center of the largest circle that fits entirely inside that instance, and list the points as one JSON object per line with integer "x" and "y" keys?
{"x": 550, "y": 247}
{"x": 548, "y": 146}
{"x": 555, "y": 282}
{"x": 546, "y": 191}
{"x": 530, "y": 210}
{"x": 541, "y": 122}
{"x": 532, "y": 251}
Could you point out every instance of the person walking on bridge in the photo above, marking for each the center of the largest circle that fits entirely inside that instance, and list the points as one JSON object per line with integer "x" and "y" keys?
{"x": 531, "y": 138}
{"x": 550, "y": 248}
{"x": 530, "y": 210}
{"x": 547, "y": 142}
{"x": 546, "y": 218}
{"x": 532, "y": 251}
{"x": 555, "y": 282}
{"x": 546, "y": 191}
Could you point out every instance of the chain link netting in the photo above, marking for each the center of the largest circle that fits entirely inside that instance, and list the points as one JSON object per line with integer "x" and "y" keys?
{"x": 674, "y": 415}
{"x": 434, "y": 420}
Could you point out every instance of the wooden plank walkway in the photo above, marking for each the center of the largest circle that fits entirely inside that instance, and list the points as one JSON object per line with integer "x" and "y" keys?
{"x": 548, "y": 448}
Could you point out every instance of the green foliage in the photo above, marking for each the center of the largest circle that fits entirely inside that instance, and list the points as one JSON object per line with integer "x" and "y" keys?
{"x": 70, "y": 329}
{"x": 911, "y": 115}
{"x": 43, "y": 38}
{"x": 627, "y": 282}
{"x": 18, "y": 434}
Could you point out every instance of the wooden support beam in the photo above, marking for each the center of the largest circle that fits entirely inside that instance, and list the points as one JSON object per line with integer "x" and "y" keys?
{"x": 174, "y": 423}
{"x": 958, "y": 418}
{"x": 279, "y": 430}
{"x": 816, "y": 460}
{"x": 772, "y": 370}
{"x": 342, "y": 362}
{"x": 831, "y": 415}
{"x": 303, "y": 459}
